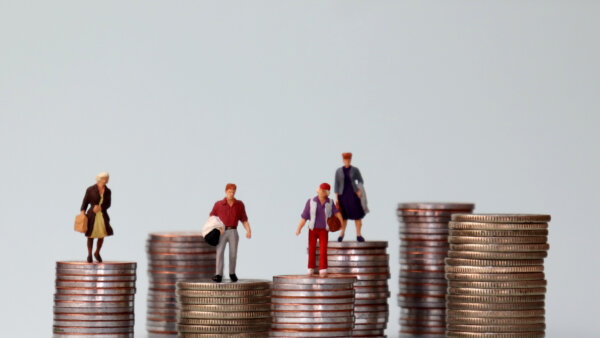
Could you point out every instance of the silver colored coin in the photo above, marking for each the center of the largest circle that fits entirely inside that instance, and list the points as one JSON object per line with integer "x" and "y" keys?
{"x": 491, "y": 226}
{"x": 495, "y": 314}
{"x": 88, "y": 278}
{"x": 372, "y": 295}
{"x": 93, "y": 317}
{"x": 222, "y": 301}
{"x": 92, "y": 310}
{"x": 466, "y": 207}
{"x": 421, "y": 237}
{"x": 499, "y": 233}
{"x": 359, "y": 270}
{"x": 94, "y": 272}
{"x": 96, "y": 330}
{"x": 227, "y": 335}
{"x": 497, "y": 255}
{"x": 95, "y": 285}
{"x": 225, "y": 315}
{"x": 312, "y": 314}
{"x": 493, "y": 262}
{"x": 95, "y": 324}
{"x": 497, "y": 328}
{"x": 366, "y": 264}
{"x": 224, "y": 293}
{"x": 96, "y": 266}
{"x": 497, "y": 292}
{"x": 85, "y": 304}
{"x": 422, "y": 312}
{"x": 496, "y": 306}
{"x": 227, "y": 308}
{"x": 459, "y": 334}
{"x": 122, "y": 335}
{"x": 94, "y": 298}
{"x": 227, "y": 322}
{"x": 358, "y": 245}
{"x": 406, "y": 244}
{"x": 495, "y": 299}
{"x": 242, "y": 284}
{"x": 496, "y": 321}
{"x": 333, "y": 251}
{"x": 221, "y": 329}
{"x": 502, "y": 218}
{"x": 499, "y": 285}
{"x": 498, "y": 240}
{"x": 495, "y": 277}
{"x": 358, "y": 258}
{"x": 494, "y": 269}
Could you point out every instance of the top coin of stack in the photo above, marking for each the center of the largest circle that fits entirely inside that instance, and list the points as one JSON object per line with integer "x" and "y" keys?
{"x": 94, "y": 299}
{"x": 173, "y": 256}
{"x": 495, "y": 272}
{"x": 209, "y": 309}
{"x": 312, "y": 306}
{"x": 369, "y": 263}
{"x": 424, "y": 245}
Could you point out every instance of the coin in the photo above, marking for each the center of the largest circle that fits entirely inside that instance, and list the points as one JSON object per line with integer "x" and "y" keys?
{"x": 494, "y": 269}
{"x": 498, "y": 233}
{"x": 458, "y": 334}
{"x": 493, "y": 262}
{"x": 496, "y": 306}
{"x": 497, "y": 255}
{"x": 495, "y": 314}
{"x": 498, "y": 240}
{"x": 502, "y": 218}
{"x": 495, "y": 277}
{"x": 474, "y": 225}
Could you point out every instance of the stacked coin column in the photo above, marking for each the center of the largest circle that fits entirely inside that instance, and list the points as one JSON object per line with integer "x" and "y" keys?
{"x": 312, "y": 306}
{"x": 223, "y": 310}
{"x": 94, "y": 299}
{"x": 173, "y": 256}
{"x": 423, "y": 248}
{"x": 495, "y": 272}
{"x": 369, "y": 263}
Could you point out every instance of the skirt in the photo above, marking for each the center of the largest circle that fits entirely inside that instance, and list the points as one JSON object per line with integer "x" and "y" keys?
{"x": 99, "y": 226}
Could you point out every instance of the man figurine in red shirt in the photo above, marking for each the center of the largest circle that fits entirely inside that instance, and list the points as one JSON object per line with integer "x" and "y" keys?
{"x": 230, "y": 211}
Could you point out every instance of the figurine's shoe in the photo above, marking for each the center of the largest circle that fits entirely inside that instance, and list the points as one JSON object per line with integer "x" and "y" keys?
{"x": 311, "y": 271}
{"x": 89, "y": 259}
{"x": 323, "y": 272}
{"x": 98, "y": 258}
{"x": 233, "y": 277}
{"x": 341, "y": 238}
{"x": 360, "y": 238}
{"x": 217, "y": 278}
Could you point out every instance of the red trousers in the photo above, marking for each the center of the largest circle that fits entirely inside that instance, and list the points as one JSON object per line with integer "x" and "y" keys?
{"x": 323, "y": 236}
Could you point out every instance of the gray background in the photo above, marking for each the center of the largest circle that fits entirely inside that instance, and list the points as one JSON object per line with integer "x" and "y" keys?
{"x": 490, "y": 102}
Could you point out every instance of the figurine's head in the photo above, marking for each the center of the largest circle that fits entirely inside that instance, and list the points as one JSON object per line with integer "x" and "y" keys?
{"x": 102, "y": 178}
{"x": 347, "y": 157}
{"x": 324, "y": 190}
{"x": 230, "y": 189}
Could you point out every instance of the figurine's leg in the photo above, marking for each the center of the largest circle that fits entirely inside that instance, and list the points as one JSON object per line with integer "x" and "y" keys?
{"x": 233, "y": 247}
{"x": 98, "y": 247}
{"x": 221, "y": 253}
{"x": 323, "y": 239}
{"x": 90, "y": 245}
{"x": 358, "y": 226}
{"x": 312, "y": 250}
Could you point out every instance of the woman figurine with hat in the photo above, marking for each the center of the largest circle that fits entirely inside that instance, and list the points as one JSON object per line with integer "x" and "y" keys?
{"x": 350, "y": 195}
{"x": 317, "y": 211}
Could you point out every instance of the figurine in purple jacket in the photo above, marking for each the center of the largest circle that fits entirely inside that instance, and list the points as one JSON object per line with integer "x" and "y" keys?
{"x": 350, "y": 195}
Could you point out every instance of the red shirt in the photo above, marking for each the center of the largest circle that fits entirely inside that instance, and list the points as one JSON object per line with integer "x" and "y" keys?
{"x": 230, "y": 215}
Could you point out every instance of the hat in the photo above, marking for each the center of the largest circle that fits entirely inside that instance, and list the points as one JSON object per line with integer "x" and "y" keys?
{"x": 325, "y": 186}
{"x": 212, "y": 237}
{"x": 347, "y": 156}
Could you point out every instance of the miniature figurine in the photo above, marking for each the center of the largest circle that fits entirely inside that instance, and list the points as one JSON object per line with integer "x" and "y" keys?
{"x": 230, "y": 211}
{"x": 350, "y": 195}
{"x": 98, "y": 197}
{"x": 317, "y": 211}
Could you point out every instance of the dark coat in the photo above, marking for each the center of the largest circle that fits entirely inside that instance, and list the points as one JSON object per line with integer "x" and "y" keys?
{"x": 92, "y": 198}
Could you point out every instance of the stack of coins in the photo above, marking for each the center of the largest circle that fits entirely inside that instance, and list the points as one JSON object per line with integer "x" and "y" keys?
{"x": 369, "y": 263}
{"x": 495, "y": 272}
{"x": 94, "y": 299}
{"x": 173, "y": 256}
{"x": 312, "y": 306}
{"x": 423, "y": 248}
{"x": 209, "y": 309}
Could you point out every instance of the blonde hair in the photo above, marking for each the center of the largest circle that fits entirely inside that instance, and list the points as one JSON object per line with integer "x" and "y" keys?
{"x": 101, "y": 175}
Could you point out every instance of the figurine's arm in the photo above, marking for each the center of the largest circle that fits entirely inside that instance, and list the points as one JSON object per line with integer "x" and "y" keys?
{"x": 360, "y": 181}
{"x": 248, "y": 231}
{"x": 85, "y": 203}
{"x": 339, "y": 216}
{"x": 300, "y": 226}
{"x": 108, "y": 199}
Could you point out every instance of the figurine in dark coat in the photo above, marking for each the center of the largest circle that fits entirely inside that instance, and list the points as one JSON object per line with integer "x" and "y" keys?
{"x": 98, "y": 197}
{"x": 350, "y": 195}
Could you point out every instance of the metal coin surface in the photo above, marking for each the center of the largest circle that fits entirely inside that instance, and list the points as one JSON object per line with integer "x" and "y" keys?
{"x": 495, "y": 314}
{"x": 497, "y": 255}
{"x": 494, "y": 269}
{"x": 495, "y": 277}
{"x": 473, "y": 225}
{"x": 498, "y": 233}
{"x": 502, "y": 218}
{"x": 498, "y": 240}
{"x": 493, "y": 262}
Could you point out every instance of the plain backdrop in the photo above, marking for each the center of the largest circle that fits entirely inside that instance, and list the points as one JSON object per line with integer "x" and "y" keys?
{"x": 492, "y": 102}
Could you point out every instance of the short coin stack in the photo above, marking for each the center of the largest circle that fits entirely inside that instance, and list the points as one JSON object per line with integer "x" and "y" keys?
{"x": 94, "y": 299}
{"x": 312, "y": 306}
{"x": 209, "y": 309}
{"x": 423, "y": 248}
{"x": 369, "y": 263}
{"x": 173, "y": 256}
{"x": 495, "y": 272}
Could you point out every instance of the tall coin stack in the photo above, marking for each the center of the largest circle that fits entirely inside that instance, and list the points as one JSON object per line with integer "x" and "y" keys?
{"x": 209, "y": 309}
{"x": 423, "y": 248}
{"x": 173, "y": 256}
{"x": 312, "y": 306}
{"x": 94, "y": 299}
{"x": 369, "y": 263}
{"x": 495, "y": 272}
